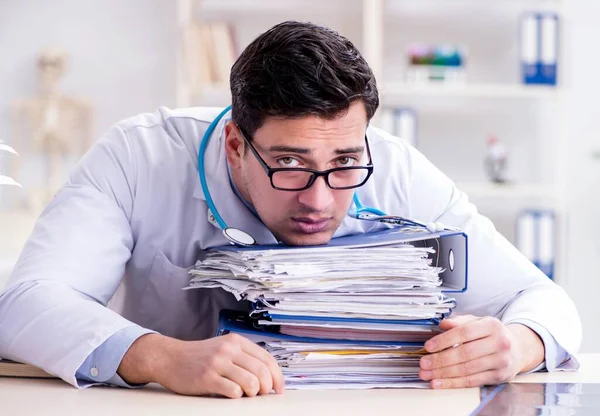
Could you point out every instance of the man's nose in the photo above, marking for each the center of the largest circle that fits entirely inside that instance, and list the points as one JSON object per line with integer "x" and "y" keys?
{"x": 318, "y": 197}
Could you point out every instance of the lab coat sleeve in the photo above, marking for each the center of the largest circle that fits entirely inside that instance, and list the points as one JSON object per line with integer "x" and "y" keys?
{"x": 502, "y": 282}
{"x": 53, "y": 311}
{"x": 555, "y": 354}
{"x": 100, "y": 367}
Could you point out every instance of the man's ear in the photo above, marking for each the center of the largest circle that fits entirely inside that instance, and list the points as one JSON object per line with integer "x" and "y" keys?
{"x": 234, "y": 145}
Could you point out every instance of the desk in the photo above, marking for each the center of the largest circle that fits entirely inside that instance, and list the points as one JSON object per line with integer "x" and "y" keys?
{"x": 54, "y": 397}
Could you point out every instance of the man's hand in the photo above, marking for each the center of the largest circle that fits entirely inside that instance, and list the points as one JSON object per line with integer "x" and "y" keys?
{"x": 478, "y": 351}
{"x": 229, "y": 366}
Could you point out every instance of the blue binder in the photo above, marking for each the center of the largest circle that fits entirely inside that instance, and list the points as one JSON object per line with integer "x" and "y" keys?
{"x": 292, "y": 318}
{"x": 549, "y": 47}
{"x": 451, "y": 250}
{"x": 539, "y": 48}
{"x": 237, "y": 322}
{"x": 451, "y": 254}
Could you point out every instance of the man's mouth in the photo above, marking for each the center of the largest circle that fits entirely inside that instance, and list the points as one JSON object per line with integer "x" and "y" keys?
{"x": 310, "y": 225}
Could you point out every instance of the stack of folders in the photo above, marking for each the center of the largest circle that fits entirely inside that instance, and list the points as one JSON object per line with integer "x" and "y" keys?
{"x": 351, "y": 314}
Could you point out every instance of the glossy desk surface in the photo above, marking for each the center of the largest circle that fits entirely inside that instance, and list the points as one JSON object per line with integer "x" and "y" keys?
{"x": 54, "y": 397}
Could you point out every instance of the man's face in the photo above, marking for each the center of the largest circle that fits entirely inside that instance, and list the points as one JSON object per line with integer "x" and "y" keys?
{"x": 310, "y": 216}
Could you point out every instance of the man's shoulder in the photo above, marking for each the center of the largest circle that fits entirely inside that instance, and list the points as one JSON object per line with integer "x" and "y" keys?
{"x": 382, "y": 141}
{"x": 164, "y": 116}
{"x": 389, "y": 153}
{"x": 165, "y": 131}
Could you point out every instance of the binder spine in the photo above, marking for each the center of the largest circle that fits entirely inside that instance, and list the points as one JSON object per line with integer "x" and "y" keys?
{"x": 536, "y": 238}
{"x": 405, "y": 124}
{"x": 530, "y": 49}
{"x": 539, "y": 48}
{"x": 549, "y": 48}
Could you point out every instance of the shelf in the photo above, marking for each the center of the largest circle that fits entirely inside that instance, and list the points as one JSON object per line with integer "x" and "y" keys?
{"x": 393, "y": 92}
{"x": 415, "y": 6}
{"x": 320, "y": 7}
{"x": 262, "y": 8}
{"x": 518, "y": 190}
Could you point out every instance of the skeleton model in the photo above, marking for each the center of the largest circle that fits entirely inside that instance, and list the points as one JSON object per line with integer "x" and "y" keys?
{"x": 52, "y": 125}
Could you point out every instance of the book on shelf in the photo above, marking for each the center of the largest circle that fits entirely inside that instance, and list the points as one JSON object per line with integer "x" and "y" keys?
{"x": 210, "y": 51}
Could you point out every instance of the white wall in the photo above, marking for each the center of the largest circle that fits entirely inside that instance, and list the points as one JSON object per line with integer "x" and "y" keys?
{"x": 122, "y": 59}
{"x": 584, "y": 178}
{"x": 122, "y": 53}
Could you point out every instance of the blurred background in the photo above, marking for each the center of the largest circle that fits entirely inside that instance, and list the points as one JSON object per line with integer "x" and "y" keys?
{"x": 499, "y": 94}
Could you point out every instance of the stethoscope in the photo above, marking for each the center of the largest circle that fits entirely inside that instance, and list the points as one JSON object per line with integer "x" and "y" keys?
{"x": 361, "y": 212}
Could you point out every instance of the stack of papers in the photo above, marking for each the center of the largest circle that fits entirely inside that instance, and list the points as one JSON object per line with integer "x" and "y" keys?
{"x": 307, "y": 365}
{"x": 349, "y": 315}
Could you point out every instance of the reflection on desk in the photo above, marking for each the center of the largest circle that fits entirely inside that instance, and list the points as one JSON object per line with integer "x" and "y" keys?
{"x": 532, "y": 399}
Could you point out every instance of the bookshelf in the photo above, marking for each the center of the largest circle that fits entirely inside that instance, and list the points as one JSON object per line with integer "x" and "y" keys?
{"x": 394, "y": 92}
{"x": 452, "y": 119}
{"x": 502, "y": 191}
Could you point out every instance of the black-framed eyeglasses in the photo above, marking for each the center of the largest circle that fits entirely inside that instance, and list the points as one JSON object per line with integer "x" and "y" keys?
{"x": 299, "y": 179}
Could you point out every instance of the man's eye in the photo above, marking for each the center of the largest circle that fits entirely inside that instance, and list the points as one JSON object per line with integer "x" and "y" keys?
{"x": 288, "y": 162}
{"x": 346, "y": 161}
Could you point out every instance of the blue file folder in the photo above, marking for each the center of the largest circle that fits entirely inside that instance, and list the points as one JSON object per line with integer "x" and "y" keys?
{"x": 451, "y": 250}
{"x": 451, "y": 254}
{"x": 237, "y": 322}
{"x": 549, "y": 47}
{"x": 539, "y": 48}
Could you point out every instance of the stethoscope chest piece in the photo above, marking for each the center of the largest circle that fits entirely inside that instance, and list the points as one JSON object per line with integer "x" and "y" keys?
{"x": 237, "y": 236}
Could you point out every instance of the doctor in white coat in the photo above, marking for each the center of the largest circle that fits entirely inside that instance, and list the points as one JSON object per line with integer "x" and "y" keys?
{"x": 133, "y": 213}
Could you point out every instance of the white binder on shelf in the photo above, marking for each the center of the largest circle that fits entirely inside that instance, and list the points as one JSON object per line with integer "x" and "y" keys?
{"x": 530, "y": 51}
{"x": 405, "y": 124}
{"x": 536, "y": 236}
{"x": 548, "y": 47}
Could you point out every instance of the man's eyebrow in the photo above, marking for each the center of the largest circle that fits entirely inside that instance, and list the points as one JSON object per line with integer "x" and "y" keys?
{"x": 305, "y": 151}
{"x": 290, "y": 149}
{"x": 355, "y": 149}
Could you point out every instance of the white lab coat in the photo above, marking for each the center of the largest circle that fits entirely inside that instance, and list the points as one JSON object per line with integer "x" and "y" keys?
{"x": 133, "y": 212}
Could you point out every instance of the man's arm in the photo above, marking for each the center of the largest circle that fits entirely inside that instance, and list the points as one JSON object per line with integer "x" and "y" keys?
{"x": 229, "y": 366}
{"x": 53, "y": 312}
{"x": 554, "y": 354}
{"x": 504, "y": 286}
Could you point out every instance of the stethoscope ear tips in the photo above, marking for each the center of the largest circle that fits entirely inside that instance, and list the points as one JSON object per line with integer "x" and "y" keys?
{"x": 434, "y": 227}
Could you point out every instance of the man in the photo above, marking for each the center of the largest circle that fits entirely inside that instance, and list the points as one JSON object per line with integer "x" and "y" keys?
{"x": 133, "y": 211}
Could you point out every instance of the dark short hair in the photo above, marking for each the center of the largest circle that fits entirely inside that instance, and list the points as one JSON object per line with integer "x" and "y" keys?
{"x": 298, "y": 69}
